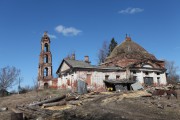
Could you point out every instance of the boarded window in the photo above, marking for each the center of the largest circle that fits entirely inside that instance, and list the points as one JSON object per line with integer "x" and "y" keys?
{"x": 148, "y": 81}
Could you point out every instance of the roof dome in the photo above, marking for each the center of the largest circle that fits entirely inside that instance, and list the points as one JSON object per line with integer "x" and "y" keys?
{"x": 130, "y": 50}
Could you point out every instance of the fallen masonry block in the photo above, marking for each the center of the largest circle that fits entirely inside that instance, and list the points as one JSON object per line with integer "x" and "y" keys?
{"x": 3, "y": 109}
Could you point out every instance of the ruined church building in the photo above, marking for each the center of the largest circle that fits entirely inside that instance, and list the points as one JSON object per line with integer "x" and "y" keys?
{"x": 128, "y": 63}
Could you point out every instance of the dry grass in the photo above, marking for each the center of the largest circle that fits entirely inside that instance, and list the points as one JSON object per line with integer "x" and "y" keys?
{"x": 103, "y": 106}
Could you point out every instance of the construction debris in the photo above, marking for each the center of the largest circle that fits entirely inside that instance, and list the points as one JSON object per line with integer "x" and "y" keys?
{"x": 49, "y": 101}
{"x": 3, "y": 109}
{"x": 34, "y": 111}
{"x": 54, "y": 104}
{"x": 137, "y": 86}
{"x": 71, "y": 98}
{"x": 58, "y": 107}
{"x": 163, "y": 91}
{"x": 16, "y": 115}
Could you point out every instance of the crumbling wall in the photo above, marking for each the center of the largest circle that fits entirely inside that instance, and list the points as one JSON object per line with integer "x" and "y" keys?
{"x": 67, "y": 81}
{"x": 42, "y": 82}
{"x": 141, "y": 74}
{"x": 95, "y": 82}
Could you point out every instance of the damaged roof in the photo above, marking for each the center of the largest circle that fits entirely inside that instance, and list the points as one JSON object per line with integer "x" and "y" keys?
{"x": 75, "y": 64}
{"x": 130, "y": 50}
{"x": 128, "y": 54}
{"x": 85, "y": 65}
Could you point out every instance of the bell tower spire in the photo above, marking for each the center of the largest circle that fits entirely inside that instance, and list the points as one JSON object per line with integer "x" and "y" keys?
{"x": 45, "y": 62}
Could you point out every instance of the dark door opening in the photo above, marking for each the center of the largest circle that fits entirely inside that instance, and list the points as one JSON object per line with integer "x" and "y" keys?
{"x": 148, "y": 81}
{"x": 46, "y": 85}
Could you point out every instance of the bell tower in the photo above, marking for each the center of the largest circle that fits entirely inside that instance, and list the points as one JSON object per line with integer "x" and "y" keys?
{"x": 45, "y": 63}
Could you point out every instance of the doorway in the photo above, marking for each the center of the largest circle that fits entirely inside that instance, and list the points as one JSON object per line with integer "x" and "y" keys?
{"x": 148, "y": 81}
{"x": 46, "y": 85}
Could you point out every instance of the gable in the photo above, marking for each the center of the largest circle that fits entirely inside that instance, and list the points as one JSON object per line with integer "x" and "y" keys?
{"x": 64, "y": 67}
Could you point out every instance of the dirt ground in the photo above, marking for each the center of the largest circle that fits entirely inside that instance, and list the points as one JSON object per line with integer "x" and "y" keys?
{"x": 103, "y": 106}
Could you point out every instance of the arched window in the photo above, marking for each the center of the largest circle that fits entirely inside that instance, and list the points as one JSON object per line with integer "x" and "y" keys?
{"x": 46, "y": 72}
{"x": 45, "y": 58}
{"x": 46, "y": 47}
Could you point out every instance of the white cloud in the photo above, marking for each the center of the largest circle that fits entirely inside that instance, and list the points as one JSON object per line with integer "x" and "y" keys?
{"x": 52, "y": 36}
{"x": 67, "y": 31}
{"x": 130, "y": 10}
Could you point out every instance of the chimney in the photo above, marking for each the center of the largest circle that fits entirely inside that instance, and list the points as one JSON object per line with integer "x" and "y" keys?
{"x": 73, "y": 57}
{"x": 128, "y": 38}
{"x": 86, "y": 59}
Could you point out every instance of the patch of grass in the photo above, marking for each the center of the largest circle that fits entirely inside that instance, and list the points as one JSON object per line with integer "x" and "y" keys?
{"x": 53, "y": 92}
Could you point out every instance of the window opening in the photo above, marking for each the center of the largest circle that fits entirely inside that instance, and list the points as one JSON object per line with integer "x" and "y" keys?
{"x": 46, "y": 59}
{"x": 106, "y": 77}
{"x": 46, "y": 47}
{"x": 117, "y": 77}
{"x": 46, "y": 72}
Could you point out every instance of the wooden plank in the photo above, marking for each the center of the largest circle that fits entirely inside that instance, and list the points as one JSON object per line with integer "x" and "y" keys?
{"x": 54, "y": 104}
{"x": 49, "y": 100}
{"x": 71, "y": 98}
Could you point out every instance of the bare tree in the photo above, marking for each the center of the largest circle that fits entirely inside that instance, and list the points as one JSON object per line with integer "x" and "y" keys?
{"x": 8, "y": 77}
{"x": 103, "y": 53}
{"x": 172, "y": 69}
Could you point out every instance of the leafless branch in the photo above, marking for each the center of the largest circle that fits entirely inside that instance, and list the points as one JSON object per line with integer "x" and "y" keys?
{"x": 8, "y": 77}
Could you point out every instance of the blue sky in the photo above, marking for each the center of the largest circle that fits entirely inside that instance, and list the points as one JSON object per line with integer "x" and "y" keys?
{"x": 81, "y": 26}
